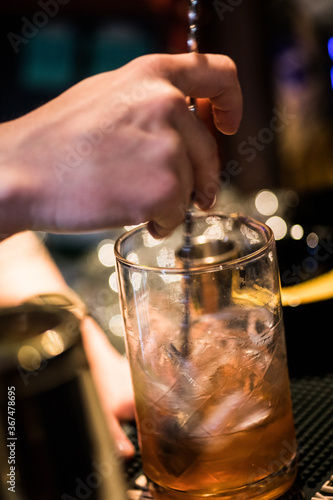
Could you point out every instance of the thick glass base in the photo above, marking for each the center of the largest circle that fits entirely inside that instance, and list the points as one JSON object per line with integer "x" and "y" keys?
{"x": 269, "y": 488}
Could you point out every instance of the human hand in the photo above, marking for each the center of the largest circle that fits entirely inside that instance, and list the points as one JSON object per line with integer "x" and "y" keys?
{"x": 119, "y": 148}
{"x": 28, "y": 274}
{"x": 112, "y": 378}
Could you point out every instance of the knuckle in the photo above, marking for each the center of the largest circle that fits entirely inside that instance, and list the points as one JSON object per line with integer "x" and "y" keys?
{"x": 169, "y": 147}
{"x": 151, "y": 65}
{"x": 170, "y": 102}
{"x": 230, "y": 66}
{"x": 169, "y": 192}
{"x": 154, "y": 63}
{"x": 163, "y": 192}
{"x": 169, "y": 188}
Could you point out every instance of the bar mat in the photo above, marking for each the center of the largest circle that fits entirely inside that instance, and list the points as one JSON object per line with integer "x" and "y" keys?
{"x": 313, "y": 414}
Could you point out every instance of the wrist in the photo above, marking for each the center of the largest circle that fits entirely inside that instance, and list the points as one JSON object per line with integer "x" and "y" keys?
{"x": 16, "y": 184}
{"x": 68, "y": 299}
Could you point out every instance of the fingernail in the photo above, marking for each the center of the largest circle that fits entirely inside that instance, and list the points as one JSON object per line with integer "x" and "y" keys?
{"x": 152, "y": 229}
{"x": 205, "y": 204}
{"x": 157, "y": 231}
{"x": 213, "y": 202}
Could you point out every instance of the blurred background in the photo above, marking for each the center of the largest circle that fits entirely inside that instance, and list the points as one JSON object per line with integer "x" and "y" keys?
{"x": 278, "y": 167}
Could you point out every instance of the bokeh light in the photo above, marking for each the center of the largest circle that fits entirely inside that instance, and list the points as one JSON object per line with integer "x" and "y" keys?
{"x": 113, "y": 283}
{"x": 106, "y": 253}
{"x": 52, "y": 343}
{"x": 312, "y": 240}
{"x": 29, "y": 358}
{"x": 266, "y": 202}
{"x": 116, "y": 325}
{"x": 278, "y": 226}
{"x": 296, "y": 232}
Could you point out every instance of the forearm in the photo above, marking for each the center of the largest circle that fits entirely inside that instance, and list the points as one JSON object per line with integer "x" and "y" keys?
{"x": 16, "y": 180}
{"x": 27, "y": 269}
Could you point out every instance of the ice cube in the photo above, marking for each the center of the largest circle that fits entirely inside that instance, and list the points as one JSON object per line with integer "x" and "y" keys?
{"x": 237, "y": 412}
{"x": 260, "y": 327}
{"x": 176, "y": 450}
{"x": 252, "y": 415}
{"x": 219, "y": 419}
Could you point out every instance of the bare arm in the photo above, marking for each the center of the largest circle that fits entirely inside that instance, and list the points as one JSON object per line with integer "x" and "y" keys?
{"x": 26, "y": 269}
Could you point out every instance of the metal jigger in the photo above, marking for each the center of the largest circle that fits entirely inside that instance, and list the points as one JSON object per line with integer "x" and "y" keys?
{"x": 57, "y": 441}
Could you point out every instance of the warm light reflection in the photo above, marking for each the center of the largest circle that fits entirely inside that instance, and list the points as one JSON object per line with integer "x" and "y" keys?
{"x": 52, "y": 343}
{"x": 294, "y": 302}
{"x": 116, "y": 325}
{"x": 113, "y": 284}
{"x": 170, "y": 278}
{"x": 278, "y": 226}
{"x": 29, "y": 358}
{"x": 136, "y": 281}
{"x": 249, "y": 234}
{"x": 129, "y": 228}
{"x": 149, "y": 241}
{"x": 215, "y": 232}
{"x": 166, "y": 257}
{"x": 106, "y": 253}
{"x": 266, "y": 202}
{"x": 296, "y": 232}
{"x": 201, "y": 239}
{"x": 312, "y": 240}
{"x": 133, "y": 258}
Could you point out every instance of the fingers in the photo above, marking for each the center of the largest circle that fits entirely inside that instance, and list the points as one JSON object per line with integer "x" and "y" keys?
{"x": 200, "y": 75}
{"x": 192, "y": 151}
{"x": 206, "y": 75}
{"x": 202, "y": 162}
{"x": 169, "y": 196}
{"x": 203, "y": 154}
{"x": 167, "y": 220}
{"x": 196, "y": 171}
{"x": 113, "y": 384}
{"x": 123, "y": 444}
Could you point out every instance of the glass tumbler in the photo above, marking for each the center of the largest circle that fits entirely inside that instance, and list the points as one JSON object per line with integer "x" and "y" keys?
{"x": 207, "y": 354}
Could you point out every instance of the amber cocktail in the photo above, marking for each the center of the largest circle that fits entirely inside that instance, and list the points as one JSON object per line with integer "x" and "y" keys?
{"x": 214, "y": 416}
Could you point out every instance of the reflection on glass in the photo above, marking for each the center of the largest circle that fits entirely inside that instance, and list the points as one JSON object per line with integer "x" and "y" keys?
{"x": 29, "y": 358}
{"x": 133, "y": 257}
{"x": 166, "y": 257}
{"x": 52, "y": 343}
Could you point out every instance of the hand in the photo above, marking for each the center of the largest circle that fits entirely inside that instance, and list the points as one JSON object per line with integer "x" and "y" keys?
{"x": 112, "y": 378}
{"x": 26, "y": 271}
{"x": 119, "y": 148}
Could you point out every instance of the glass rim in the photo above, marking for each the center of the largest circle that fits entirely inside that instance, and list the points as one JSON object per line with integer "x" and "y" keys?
{"x": 213, "y": 267}
{"x": 64, "y": 324}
